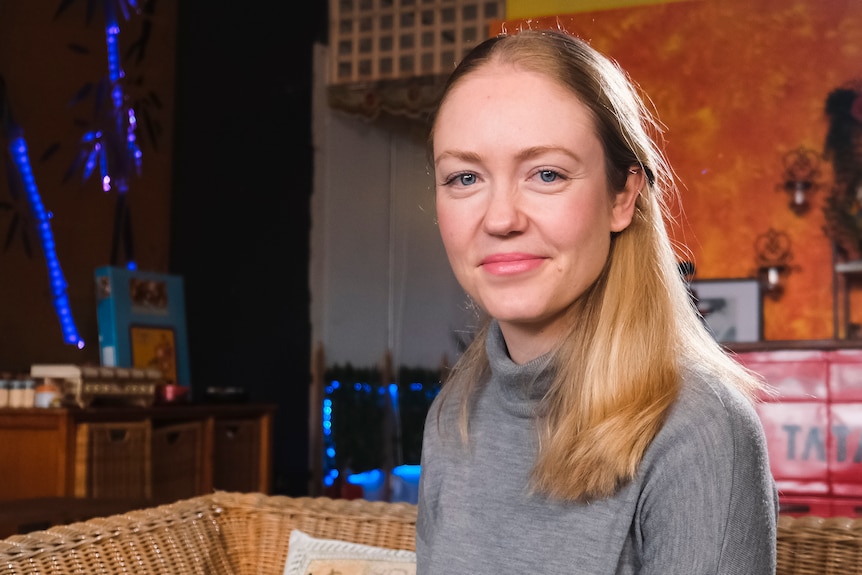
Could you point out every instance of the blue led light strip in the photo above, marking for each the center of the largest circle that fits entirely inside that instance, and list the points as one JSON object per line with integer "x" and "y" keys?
{"x": 115, "y": 73}
{"x": 125, "y": 118}
{"x": 21, "y": 157}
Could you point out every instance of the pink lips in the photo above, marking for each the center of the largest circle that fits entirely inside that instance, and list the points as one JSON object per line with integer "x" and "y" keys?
{"x": 511, "y": 264}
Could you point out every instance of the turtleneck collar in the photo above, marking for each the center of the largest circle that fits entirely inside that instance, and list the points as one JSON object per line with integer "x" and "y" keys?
{"x": 519, "y": 387}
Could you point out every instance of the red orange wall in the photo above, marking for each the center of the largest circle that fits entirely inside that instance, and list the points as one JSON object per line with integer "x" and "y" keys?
{"x": 738, "y": 84}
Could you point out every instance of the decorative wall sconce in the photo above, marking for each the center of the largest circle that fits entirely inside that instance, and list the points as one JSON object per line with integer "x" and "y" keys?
{"x": 773, "y": 257}
{"x": 801, "y": 170}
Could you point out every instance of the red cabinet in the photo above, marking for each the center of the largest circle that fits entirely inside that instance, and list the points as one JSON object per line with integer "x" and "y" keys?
{"x": 813, "y": 424}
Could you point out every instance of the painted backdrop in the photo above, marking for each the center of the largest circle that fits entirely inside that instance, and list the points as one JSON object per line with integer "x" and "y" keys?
{"x": 739, "y": 84}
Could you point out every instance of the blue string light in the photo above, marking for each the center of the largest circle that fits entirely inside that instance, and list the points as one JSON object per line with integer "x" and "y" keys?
{"x": 125, "y": 117}
{"x": 21, "y": 157}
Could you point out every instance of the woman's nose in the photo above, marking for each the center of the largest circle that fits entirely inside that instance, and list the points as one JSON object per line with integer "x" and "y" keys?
{"x": 504, "y": 214}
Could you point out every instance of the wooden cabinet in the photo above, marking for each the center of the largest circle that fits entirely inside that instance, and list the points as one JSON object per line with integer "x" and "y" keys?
{"x": 161, "y": 453}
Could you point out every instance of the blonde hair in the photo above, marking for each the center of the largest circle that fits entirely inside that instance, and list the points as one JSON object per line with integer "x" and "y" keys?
{"x": 619, "y": 369}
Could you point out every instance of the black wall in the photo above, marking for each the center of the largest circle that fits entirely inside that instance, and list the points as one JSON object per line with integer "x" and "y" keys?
{"x": 241, "y": 206}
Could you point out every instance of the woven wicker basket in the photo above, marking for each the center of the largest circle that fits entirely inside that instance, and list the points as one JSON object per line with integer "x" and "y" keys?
{"x": 248, "y": 533}
{"x": 816, "y": 545}
{"x": 222, "y": 533}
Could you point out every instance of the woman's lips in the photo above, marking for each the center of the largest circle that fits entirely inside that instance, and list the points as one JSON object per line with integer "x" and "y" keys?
{"x": 511, "y": 264}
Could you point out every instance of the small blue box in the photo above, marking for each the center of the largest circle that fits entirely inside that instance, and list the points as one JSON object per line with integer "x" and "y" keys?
{"x": 142, "y": 321}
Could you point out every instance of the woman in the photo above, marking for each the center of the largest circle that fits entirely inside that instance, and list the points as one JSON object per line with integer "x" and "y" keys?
{"x": 593, "y": 426}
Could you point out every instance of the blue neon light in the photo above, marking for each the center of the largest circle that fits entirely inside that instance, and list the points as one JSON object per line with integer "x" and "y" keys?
{"x": 408, "y": 472}
{"x": 372, "y": 477}
{"x": 125, "y": 118}
{"x": 21, "y": 157}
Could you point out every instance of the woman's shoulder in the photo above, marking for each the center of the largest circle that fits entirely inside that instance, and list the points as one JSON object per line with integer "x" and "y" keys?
{"x": 712, "y": 410}
{"x": 711, "y": 426}
{"x": 709, "y": 392}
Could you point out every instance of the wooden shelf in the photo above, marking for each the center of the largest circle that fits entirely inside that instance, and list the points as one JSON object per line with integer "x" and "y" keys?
{"x": 161, "y": 453}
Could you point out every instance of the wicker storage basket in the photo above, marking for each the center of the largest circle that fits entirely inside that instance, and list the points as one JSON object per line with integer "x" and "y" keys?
{"x": 113, "y": 460}
{"x": 811, "y": 545}
{"x": 236, "y": 454}
{"x": 177, "y": 453}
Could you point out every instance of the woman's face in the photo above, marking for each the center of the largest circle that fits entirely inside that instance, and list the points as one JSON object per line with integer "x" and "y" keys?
{"x": 523, "y": 203}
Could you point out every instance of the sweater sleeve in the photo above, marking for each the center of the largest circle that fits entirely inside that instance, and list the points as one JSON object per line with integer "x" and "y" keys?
{"x": 426, "y": 514}
{"x": 709, "y": 504}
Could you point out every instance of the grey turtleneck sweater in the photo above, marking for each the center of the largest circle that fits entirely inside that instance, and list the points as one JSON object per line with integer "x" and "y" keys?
{"x": 702, "y": 502}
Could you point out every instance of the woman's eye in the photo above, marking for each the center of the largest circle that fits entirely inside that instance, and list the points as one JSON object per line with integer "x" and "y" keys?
{"x": 462, "y": 179}
{"x": 548, "y": 175}
{"x": 467, "y": 179}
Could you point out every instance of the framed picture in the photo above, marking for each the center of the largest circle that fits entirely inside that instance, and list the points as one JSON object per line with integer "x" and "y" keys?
{"x": 731, "y": 308}
{"x": 154, "y": 347}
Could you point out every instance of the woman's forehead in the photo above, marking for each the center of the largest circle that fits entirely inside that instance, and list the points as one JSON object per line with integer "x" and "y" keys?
{"x": 513, "y": 114}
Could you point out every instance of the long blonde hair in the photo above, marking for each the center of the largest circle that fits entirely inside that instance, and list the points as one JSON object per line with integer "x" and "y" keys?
{"x": 619, "y": 369}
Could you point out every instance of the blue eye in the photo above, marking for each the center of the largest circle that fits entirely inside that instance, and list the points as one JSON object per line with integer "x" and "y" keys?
{"x": 548, "y": 175}
{"x": 467, "y": 179}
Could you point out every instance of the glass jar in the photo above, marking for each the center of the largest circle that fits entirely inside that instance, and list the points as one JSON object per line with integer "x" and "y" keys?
{"x": 29, "y": 395}
{"x": 47, "y": 393}
{"x": 16, "y": 393}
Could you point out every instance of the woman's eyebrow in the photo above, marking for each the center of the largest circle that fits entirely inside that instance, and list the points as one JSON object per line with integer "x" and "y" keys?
{"x": 458, "y": 155}
{"x": 534, "y": 151}
{"x": 524, "y": 154}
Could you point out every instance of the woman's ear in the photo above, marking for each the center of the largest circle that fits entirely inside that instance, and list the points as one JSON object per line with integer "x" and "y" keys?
{"x": 624, "y": 201}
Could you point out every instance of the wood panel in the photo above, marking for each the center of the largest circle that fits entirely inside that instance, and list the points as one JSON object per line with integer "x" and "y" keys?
{"x": 161, "y": 453}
